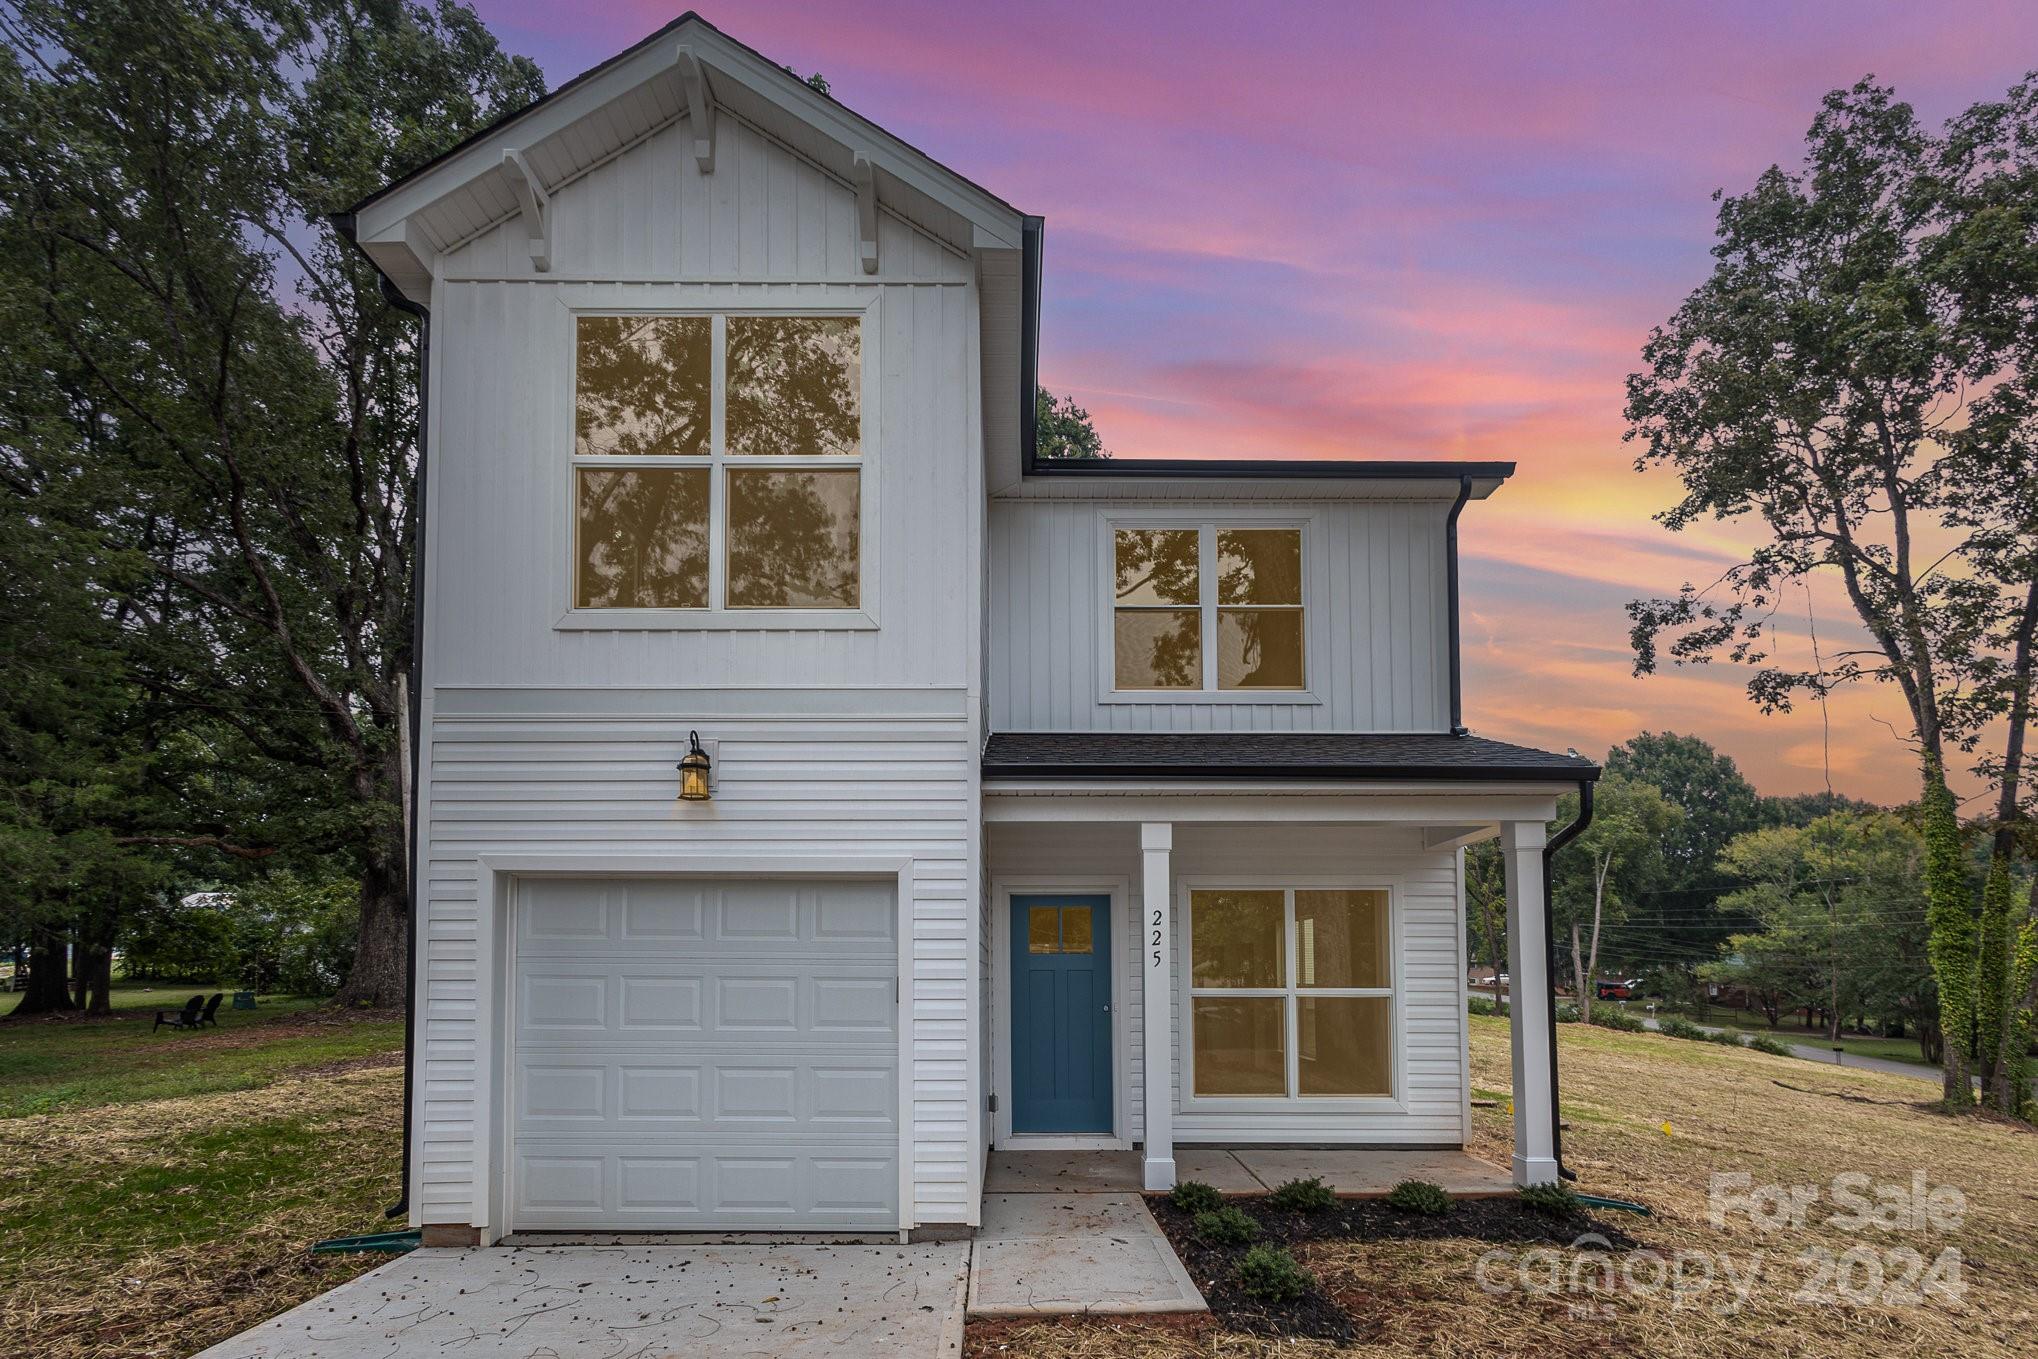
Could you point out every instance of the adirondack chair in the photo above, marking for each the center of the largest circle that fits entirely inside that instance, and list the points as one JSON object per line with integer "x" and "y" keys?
{"x": 186, "y": 1018}
{"x": 210, "y": 1015}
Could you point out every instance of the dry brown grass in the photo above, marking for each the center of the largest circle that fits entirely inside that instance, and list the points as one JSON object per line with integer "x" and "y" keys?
{"x": 1779, "y": 1119}
{"x": 157, "y": 1229}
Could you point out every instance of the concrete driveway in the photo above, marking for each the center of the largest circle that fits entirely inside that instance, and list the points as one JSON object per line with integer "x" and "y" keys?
{"x": 633, "y": 1302}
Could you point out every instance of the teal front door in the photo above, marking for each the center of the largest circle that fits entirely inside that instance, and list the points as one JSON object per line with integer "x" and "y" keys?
{"x": 1061, "y": 1014}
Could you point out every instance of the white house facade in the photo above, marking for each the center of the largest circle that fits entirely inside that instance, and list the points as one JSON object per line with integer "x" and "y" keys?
{"x": 1103, "y": 804}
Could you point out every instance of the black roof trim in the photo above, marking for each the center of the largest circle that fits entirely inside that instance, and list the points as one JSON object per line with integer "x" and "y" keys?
{"x": 1412, "y": 756}
{"x": 1274, "y": 468}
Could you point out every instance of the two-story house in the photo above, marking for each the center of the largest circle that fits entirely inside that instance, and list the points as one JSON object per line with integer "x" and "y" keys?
{"x": 1114, "y": 804}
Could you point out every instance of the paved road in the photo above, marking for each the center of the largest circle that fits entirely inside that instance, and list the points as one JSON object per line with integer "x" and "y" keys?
{"x": 1827, "y": 1055}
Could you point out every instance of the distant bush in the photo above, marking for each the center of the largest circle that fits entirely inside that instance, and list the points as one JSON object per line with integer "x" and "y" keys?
{"x": 1194, "y": 1196}
{"x": 1556, "y": 1199}
{"x": 1613, "y": 1017}
{"x": 1567, "y": 1013}
{"x": 1226, "y": 1227}
{"x": 1479, "y": 1005}
{"x": 1676, "y": 1027}
{"x": 1727, "y": 1038}
{"x": 1270, "y": 1274}
{"x": 277, "y": 933}
{"x": 1304, "y": 1196}
{"x": 1775, "y": 1047}
{"x": 1419, "y": 1196}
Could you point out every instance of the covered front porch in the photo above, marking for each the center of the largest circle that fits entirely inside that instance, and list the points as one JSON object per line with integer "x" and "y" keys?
{"x": 1286, "y": 958}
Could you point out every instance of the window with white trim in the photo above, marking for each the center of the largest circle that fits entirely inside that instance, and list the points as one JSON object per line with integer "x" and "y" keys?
{"x": 1171, "y": 632}
{"x": 1291, "y": 993}
{"x": 717, "y": 462}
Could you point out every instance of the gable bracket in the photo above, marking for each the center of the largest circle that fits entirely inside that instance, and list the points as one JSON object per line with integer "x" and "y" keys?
{"x": 535, "y": 205}
{"x": 700, "y": 107}
{"x": 865, "y": 179}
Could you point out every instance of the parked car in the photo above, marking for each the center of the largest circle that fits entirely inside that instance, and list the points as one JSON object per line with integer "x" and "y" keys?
{"x": 1608, "y": 988}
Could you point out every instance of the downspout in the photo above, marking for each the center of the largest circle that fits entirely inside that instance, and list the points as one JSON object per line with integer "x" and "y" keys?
{"x": 1550, "y": 848}
{"x": 343, "y": 223}
{"x": 1458, "y": 727}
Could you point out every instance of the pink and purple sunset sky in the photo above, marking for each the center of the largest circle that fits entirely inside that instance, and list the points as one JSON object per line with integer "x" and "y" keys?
{"x": 1379, "y": 230}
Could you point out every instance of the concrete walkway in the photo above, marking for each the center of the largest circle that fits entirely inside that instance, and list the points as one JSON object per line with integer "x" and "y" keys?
{"x": 1047, "y": 1254}
{"x": 600, "y": 1302}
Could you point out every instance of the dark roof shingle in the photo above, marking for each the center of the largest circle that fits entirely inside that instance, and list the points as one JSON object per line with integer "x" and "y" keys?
{"x": 1261, "y": 755}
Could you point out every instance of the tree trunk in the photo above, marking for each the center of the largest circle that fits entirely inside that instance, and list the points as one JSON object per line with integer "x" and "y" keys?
{"x": 1578, "y": 977}
{"x": 382, "y": 953}
{"x": 49, "y": 991}
{"x": 1952, "y": 940}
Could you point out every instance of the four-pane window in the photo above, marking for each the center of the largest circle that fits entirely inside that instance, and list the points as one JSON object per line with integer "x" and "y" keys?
{"x": 1172, "y": 630}
{"x": 1291, "y": 993}
{"x": 717, "y": 462}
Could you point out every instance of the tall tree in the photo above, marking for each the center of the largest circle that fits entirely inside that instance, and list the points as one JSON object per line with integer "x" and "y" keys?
{"x": 169, "y": 165}
{"x": 1809, "y": 388}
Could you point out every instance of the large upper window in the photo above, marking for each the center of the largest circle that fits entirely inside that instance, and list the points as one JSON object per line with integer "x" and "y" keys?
{"x": 1172, "y": 630}
{"x": 717, "y": 462}
{"x": 1290, "y": 993}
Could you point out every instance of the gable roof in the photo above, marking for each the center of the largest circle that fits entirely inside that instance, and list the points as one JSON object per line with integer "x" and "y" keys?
{"x": 590, "y": 118}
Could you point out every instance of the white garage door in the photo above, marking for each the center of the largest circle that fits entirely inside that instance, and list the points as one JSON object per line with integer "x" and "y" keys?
{"x": 704, "y": 1056}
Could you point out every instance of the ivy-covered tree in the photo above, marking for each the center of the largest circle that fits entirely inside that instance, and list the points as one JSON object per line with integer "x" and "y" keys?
{"x": 1821, "y": 388}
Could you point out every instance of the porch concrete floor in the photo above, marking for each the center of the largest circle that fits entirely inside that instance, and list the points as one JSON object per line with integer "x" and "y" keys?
{"x": 1358, "y": 1172}
{"x": 598, "y": 1302}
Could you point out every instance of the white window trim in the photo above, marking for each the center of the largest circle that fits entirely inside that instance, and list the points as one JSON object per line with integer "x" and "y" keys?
{"x": 725, "y": 303}
{"x": 1188, "y": 1101}
{"x": 1207, "y": 525}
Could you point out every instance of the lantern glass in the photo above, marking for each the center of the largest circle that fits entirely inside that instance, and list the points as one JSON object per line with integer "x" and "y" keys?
{"x": 693, "y": 772}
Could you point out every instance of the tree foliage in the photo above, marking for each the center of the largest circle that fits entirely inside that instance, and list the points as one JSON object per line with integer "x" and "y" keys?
{"x": 220, "y": 406}
{"x": 1855, "y": 380}
{"x": 1062, "y": 429}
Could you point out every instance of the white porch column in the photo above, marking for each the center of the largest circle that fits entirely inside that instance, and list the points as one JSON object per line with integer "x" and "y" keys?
{"x": 1156, "y": 839}
{"x": 1528, "y": 990}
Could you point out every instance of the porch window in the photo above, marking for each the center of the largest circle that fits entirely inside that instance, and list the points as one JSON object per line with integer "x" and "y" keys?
{"x": 717, "y": 462}
{"x": 1171, "y": 632}
{"x": 1291, "y": 993}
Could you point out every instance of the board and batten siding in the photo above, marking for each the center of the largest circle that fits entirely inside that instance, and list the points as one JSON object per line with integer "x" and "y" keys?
{"x": 1428, "y": 964}
{"x": 544, "y": 741}
{"x": 1376, "y": 626}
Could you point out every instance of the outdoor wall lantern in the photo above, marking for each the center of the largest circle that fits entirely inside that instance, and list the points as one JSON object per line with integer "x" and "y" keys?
{"x": 693, "y": 772}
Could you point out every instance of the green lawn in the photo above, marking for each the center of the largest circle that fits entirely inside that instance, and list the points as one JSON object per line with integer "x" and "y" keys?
{"x": 1748, "y": 1021}
{"x": 160, "y": 1190}
{"x": 51, "y": 1065}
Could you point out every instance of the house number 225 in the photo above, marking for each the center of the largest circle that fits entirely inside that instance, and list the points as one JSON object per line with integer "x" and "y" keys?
{"x": 1156, "y": 938}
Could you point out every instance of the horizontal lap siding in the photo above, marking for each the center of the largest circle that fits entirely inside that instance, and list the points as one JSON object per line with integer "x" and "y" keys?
{"x": 1428, "y": 963}
{"x": 605, "y": 786}
{"x": 1377, "y": 647}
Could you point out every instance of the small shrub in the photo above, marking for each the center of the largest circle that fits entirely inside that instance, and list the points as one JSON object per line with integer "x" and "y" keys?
{"x": 1270, "y": 1274}
{"x": 1613, "y": 1017}
{"x": 1555, "y": 1199}
{"x": 1194, "y": 1196}
{"x": 1726, "y": 1038}
{"x": 1419, "y": 1196}
{"x": 1304, "y": 1196}
{"x": 1677, "y": 1027}
{"x": 1775, "y": 1047}
{"x": 1478, "y": 1005}
{"x": 1226, "y": 1227}
{"x": 1567, "y": 1013}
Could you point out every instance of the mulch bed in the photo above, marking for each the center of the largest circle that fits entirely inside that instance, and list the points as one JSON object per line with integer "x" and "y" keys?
{"x": 1317, "y": 1315}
